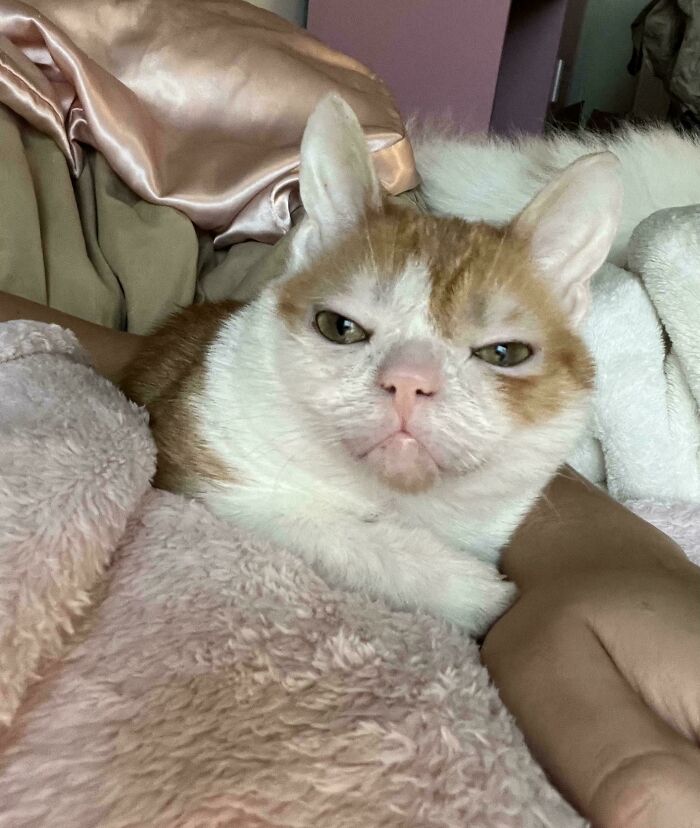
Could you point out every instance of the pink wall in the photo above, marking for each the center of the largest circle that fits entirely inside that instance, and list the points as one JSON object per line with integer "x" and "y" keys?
{"x": 438, "y": 57}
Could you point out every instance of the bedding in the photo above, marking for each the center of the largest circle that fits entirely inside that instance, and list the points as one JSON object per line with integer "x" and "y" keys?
{"x": 159, "y": 667}
{"x": 643, "y": 439}
{"x": 156, "y": 666}
{"x": 150, "y": 148}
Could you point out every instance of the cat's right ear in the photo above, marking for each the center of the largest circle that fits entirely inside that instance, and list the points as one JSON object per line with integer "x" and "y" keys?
{"x": 571, "y": 225}
{"x": 337, "y": 180}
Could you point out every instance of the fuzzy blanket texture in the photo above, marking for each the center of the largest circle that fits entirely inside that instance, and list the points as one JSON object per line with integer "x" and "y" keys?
{"x": 644, "y": 332}
{"x": 159, "y": 668}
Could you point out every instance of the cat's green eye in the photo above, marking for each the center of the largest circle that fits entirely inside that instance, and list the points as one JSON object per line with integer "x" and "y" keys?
{"x": 339, "y": 329}
{"x": 504, "y": 354}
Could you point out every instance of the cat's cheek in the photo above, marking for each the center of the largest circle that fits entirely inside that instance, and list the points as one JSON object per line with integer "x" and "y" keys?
{"x": 461, "y": 445}
{"x": 312, "y": 384}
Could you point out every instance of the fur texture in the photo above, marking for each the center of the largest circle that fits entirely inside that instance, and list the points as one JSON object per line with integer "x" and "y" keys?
{"x": 482, "y": 178}
{"x": 206, "y": 679}
{"x": 643, "y": 439}
{"x": 209, "y": 679}
{"x": 55, "y": 539}
{"x": 398, "y": 464}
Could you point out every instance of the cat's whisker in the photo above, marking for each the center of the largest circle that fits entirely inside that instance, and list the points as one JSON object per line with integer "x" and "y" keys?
{"x": 370, "y": 246}
{"x": 550, "y": 505}
{"x": 497, "y": 257}
{"x": 394, "y": 247}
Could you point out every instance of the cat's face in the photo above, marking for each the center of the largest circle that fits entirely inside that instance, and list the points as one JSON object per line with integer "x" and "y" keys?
{"x": 421, "y": 347}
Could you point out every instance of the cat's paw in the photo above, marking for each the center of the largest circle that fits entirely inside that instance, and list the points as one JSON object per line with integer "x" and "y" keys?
{"x": 473, "y": 600}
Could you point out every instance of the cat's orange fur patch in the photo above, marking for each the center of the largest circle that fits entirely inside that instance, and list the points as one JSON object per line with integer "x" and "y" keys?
{"x": 491, "y": 262}
{"x": 469, "y": 263}
{"x": 165, "y": 376}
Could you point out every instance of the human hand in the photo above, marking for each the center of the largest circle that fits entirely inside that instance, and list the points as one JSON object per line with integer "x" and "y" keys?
{"x": 599, "y": 660}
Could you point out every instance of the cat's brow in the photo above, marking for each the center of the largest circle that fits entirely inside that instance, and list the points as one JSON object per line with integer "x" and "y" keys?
{"x": 468, "y": 269}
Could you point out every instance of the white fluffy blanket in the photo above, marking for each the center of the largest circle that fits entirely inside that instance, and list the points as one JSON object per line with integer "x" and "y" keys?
{"x": 159, "y": 668}
{"x": 644, "y": 331}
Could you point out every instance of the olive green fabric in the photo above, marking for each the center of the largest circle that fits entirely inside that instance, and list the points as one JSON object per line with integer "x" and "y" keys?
{"x": 93, "y": 249}
{"x": 667, "y": 34}
{"x": 240, "y": 271}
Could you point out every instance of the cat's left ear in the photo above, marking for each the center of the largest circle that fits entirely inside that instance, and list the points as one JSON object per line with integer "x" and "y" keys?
{"x": 571, "y": 225}
{"x": 337, "y": 180}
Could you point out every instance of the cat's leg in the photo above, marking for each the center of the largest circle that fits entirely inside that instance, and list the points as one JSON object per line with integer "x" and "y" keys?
{"x": 410, "y": 568}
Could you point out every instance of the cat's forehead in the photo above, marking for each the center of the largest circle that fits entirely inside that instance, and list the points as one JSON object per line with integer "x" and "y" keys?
{"x": 399, "y": 295}
{"x": 446, "y": 272}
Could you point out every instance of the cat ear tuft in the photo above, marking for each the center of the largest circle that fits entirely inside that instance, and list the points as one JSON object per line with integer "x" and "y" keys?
{"x": 337, "y": 180}
{"x": 571, "y": 225}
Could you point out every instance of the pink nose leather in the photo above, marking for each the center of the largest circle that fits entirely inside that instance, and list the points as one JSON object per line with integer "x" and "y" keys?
{"x": 408, "y": 383}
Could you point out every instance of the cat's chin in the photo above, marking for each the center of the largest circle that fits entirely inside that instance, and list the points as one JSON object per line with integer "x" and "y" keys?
{"x": 403, "y": 463}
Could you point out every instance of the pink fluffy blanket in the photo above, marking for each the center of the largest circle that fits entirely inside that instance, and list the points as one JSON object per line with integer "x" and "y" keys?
{"x": 159, "y": 668}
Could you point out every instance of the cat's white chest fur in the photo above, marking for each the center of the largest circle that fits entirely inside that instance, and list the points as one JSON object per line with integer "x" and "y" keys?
{"x": 437, "y": 550}
{"x": 392, "y": 406}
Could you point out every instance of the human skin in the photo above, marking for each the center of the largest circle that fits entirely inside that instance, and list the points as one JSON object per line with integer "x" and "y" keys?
{"x": 110, "y": 350}
{"x": 598, "y": 659}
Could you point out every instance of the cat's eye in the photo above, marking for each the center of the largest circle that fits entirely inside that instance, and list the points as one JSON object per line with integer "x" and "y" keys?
{"x": 339, "y": 329}
{"x": 504, "y": 354}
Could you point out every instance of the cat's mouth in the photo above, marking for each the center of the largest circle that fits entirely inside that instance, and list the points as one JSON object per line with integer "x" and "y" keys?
{"x": 403, "y": 462}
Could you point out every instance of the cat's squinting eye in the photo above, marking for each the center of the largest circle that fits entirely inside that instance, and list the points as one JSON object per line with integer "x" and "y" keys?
{"x": 504, "y": 354}
{"x": 339, "y": 329}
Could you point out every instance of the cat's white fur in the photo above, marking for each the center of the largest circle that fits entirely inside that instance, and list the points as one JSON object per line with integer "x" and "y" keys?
{"x": 278, "y": 404}
{"x": 490, "y": 178}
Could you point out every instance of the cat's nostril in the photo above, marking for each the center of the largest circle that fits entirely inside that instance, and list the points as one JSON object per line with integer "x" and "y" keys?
{"x": 410, "y": 379}
{"x": 410, "y": 387}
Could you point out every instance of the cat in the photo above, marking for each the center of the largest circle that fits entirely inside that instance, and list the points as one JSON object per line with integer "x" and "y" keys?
{"x": 392, "y": 405}
{"x": 491, "y": 178}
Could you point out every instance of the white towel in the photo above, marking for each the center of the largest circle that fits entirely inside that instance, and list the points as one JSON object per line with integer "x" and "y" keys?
{"x": 644, "y": 333}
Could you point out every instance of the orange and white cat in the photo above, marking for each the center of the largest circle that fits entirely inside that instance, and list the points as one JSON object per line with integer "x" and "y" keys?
{"x": 393, "y": 404}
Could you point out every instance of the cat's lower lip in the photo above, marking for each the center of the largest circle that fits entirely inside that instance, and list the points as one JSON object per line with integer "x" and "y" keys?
{"x": 400, "y": 435}
{"x": 403, "y": 462}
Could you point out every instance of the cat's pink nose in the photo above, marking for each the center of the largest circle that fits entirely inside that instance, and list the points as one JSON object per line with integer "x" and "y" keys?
{"x": 408, "y": 384}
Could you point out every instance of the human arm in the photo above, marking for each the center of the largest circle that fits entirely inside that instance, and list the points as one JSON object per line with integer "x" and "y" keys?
{"x": 110, "y": 350}
{"x": 599, "y": 659}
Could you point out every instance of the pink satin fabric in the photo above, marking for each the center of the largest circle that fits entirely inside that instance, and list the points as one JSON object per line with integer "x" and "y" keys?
{"x": 197, "y": 104}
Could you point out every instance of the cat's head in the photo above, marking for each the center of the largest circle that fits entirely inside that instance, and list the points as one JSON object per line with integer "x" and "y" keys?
{"x": 422, "y": 346}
